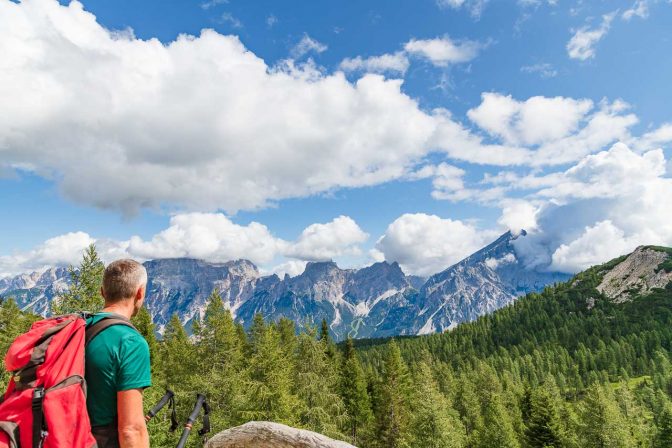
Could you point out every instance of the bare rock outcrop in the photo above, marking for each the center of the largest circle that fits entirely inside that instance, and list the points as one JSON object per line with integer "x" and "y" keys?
{"x": 637, "y": 274}
{"x": 271, "y": 435}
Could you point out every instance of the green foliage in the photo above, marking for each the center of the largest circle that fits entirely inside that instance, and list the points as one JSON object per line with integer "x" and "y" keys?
{"x": 83, "y": 293}
{"x": 562, "y": 368}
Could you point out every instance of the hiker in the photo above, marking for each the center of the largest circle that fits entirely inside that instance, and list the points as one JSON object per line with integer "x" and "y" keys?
{"x": 117, "y": 361}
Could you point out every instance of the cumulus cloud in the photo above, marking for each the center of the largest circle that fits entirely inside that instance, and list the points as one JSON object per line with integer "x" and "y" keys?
{"x": 560, "y": 129}
{"x": 426, "y": 244}
{"x": 61, "y": 250}
{"x": 320, "y": 242}
{"x": 386, "y": 63}
{"x": 443, "y": 51}
{"x": 582, "y": 44}
{"x": 207, "y": 236}
{"x": 200, "y": 122}
{"x": 617, "y": 199}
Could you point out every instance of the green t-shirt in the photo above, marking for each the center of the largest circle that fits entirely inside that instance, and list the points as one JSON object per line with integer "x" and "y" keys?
{"x": 116, "y": 360}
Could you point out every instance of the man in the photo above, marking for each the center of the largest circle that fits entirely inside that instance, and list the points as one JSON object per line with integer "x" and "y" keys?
{"x": 117, "y": 361}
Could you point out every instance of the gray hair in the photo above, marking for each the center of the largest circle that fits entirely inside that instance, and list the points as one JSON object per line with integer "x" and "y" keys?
{"x": 122, "y": 278}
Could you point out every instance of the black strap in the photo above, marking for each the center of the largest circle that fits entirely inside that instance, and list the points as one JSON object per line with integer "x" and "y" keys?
{"x": 39, "y": 426}
{"x": 206, "y": 419}
{"x": 173, "y": 416}
{"x": 103, "y": 324}
{"x": 168, "y": 398}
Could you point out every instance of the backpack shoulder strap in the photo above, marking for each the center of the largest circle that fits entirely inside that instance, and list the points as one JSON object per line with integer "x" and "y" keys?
{"x": 103, "y": 324}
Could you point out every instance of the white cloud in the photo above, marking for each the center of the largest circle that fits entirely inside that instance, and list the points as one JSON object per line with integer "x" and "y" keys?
{"x": 639, "y": 9}
{"x": 494, "y": 263}
{"x": 307, "y": 45}
{"x": 604, "y": 206}
{"x": 660, "y": 136}
{"x": 545, "y": 70}
{"x": 207, "y": 236}
{"x": 532, "y": 122}
{"x": 599, "y": 243}
{"x": 559, "y": 129}
{"x": 210, "y": 237}
{"x": 475, "y": 7}
{"x": 289, "y": 267}
{"x": 582, "y": 44}
{"x": 198, "y": 123}
{"x": 443, "y": 51}
{"x": 61, "y": 250}
{"x": 518, "y": 214}
{"x": 426, "y": 244}
{"x": 321, "y": 242}
{"x": 386, "y": 63}
{"x": 271, "y": 20}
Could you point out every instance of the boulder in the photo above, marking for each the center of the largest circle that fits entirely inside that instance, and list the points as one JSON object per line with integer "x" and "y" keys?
{"x": 272, "y": 435}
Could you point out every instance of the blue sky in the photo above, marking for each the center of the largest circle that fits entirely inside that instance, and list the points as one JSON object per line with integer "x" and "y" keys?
{"x": 509, "y": 49}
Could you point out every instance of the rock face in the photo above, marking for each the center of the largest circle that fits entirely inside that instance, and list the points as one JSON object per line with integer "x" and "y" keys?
{"x": 489, "y": 279}
{"x": 637, "y": 274}
{"x": 272, "y": 435}
{"x": 376, "y": 301}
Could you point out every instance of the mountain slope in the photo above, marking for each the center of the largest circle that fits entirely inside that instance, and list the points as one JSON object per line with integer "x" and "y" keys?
{"x": 572, "y": 325}
{"x": 375, "y": 301}
{"x": 487, "y": 280}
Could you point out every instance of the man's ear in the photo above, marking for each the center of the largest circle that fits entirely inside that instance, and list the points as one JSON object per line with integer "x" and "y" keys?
{"x": 102, "y": 293}
{"x": 140, "y": 293}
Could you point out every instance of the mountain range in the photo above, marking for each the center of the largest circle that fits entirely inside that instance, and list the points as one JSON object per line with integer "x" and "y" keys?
{"x": 376, "y": 301}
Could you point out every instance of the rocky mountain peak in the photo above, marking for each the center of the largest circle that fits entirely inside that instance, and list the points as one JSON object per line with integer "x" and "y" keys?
{"x": 646, "y": 268}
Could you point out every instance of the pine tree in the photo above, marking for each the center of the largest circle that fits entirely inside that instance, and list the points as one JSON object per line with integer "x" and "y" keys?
{"x": 316, "y": 385}
{"x": 393, "y": 413}
{"x": 220, "y": 356}
{"x": 603, "y": 423}
{"x": 664, "y": 435}
{"x": 269, "y": 385}
{"x": 143, "y": 322}
{"x": 496, "y": 429}
{"x": 354, "y": 393}
{"x": 544, "y": 425}
{"x": 83, "y": 293}
{"x": 435, "y": 423}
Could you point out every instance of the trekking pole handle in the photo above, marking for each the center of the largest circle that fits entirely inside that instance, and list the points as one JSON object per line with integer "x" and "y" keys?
{"x": 200, "y": 398}
{"x": 162, "y": 402}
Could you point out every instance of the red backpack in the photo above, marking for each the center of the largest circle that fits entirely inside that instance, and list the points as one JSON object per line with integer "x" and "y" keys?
{"x": 45, "y": 403}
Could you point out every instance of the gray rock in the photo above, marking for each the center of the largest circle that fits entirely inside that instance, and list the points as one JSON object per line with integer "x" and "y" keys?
{"x": 637, "y": 274}
{"x": 272, "y": 435}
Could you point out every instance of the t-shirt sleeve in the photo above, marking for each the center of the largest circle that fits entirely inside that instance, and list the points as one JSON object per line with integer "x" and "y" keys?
{"x": 134, "y": 368}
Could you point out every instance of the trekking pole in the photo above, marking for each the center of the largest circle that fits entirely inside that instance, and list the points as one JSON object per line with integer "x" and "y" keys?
{"x": 168, "y": 398}
{"x": 200, "y": 403}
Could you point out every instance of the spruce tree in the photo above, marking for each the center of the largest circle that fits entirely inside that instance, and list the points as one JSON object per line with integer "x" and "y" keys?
{"x": 496, "y": 429}
{"x": 393, "y": 412}
{"x": 664, "y": 435}
{"x": 316, "y": 385}
{"x": 603, "y": 423}
{"x": 269, "y": 384}
{"x": 435, "y": 424}
{"x": 143, "y": 322}
{"x": 220, "y": 356}
{"x": 83, "y": 293}
{"x": 544, "y": 424}
{"x": 354, "y": 393}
